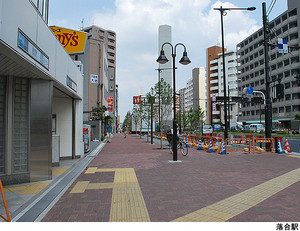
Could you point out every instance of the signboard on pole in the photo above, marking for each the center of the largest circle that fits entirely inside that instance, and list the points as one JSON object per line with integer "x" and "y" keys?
{"x": 94, "y": 78}
{"x": 282, "y": 46}
{"x": 137, "y": 99}
{"x": 110, "y": 101}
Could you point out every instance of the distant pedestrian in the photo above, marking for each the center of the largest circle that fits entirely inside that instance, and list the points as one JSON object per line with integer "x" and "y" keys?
{"x": 108, "y": 130}
{"x": 124, "y": 130}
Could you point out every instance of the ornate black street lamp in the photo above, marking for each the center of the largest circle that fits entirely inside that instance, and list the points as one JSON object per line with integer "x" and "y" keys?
{"x": 162, "y": 59}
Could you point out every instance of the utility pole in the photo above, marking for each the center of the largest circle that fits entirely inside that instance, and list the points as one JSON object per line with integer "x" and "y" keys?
{"x": 268, "y": 110}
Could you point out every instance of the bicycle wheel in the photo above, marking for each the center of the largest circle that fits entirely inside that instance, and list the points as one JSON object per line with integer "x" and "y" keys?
{"x": 184, "y": 149}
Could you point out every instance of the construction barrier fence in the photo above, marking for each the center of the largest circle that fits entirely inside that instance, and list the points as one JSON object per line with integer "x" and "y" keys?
{"x": 239, "y": 143}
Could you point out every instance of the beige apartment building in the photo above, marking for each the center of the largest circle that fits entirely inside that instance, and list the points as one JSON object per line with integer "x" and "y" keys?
{"x": 99, "y": 68}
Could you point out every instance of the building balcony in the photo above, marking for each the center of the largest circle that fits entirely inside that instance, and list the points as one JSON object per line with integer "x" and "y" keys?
{"x": 216, "y": 113}
{"x": 213, "y": 75}
{"x": 215, "y": 81}
{"x": 214, "y": 62}
{"x": 214, "y": 68}
{"x": 215, "y": 88}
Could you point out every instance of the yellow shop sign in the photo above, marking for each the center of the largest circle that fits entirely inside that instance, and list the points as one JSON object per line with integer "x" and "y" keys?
{"x": 73, "y": 41}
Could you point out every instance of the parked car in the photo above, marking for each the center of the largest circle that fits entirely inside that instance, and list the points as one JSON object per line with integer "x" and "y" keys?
{"x": 207, "y": 129}
{"x": 237, "y": 128}
{"x": 256, "y": 127}
{"x": 246, "y": 128}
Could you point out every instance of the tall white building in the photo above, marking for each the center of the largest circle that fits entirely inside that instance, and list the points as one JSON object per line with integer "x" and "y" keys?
{"x": 165, "y": 35}
{"x": 165, "y": 70}
{"x": 195, "y": 92}
{"x": 216, "y": 79}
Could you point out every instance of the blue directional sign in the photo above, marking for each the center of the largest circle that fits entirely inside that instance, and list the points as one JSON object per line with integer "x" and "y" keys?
{"x": 94, "y": 78}
{"x": 282, "y": 46}
{"x": 250, "y": 90}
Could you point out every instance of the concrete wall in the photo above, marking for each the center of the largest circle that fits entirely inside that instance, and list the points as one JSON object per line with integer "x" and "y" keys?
{"x": 62, "y": 107}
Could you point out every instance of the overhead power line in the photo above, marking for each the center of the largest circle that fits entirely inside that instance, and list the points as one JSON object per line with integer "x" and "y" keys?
{"x": 271, "y": 7}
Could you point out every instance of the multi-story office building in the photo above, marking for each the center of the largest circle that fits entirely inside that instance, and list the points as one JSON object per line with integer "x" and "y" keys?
{"x": 41, "y": 95}
{"x": 283, "y": 67}
{"x": 200, "y": 89}
{"x": 181, "y": 103}
{"x": 189, "y": 95}
{"x": 99, "y": 68}
{"x": 194, "y": 95}
{"x": 217, "y": 86}
{"x": 212, "y": 53}
{"x": 109, "y": 39}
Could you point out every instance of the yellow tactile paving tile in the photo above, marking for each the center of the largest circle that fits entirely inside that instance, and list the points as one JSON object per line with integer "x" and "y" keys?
{"x": 93, "y": 170}
{"x": 127, "y": 203}
{"x": 100, "y": 185}
{"x": 234, "y": 205}
{"x": 59, "y": 171}
{"x": 80, "y": 187}
{"x": 34, "y": 188}
{"x": 12, "y": 189}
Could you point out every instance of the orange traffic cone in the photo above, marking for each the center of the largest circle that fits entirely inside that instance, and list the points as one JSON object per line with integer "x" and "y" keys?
{"x": 242, "y": 139}
{"x": 287, "y": 147}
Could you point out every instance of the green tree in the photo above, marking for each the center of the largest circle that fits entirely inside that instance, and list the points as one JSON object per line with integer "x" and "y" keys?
{"x": 150, "y": 100}
{"x": 162, "y": 91}
{"x": 198, "y": 116}
{"x": 128, "y": 121}
{"x": 194, "y": 118}
{"x": 98, "y": 114}
{"x": 185, "y": 120}
{"x": 135, "y": 116}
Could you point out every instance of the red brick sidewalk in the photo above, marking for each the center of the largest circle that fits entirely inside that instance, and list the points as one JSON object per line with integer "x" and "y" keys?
{"x": 172, "y": 190}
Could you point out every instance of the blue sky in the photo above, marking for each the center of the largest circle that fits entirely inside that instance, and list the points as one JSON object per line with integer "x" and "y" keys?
{"x": 136, "y": 23}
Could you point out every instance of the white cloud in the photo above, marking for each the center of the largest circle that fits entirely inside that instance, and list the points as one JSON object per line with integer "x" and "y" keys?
{"x": 194, "y": 23}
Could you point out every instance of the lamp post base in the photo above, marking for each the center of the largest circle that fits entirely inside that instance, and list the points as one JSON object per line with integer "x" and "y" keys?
{"x": 172, "y": 161}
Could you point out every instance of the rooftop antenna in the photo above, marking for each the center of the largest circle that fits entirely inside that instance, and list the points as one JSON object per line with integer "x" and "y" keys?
{"x": 81, "y": 28}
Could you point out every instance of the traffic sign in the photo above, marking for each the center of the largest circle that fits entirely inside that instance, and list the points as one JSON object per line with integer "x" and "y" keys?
{"x": 250, "y": 90}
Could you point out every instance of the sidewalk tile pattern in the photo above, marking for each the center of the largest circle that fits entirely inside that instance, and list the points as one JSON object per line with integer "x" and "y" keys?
{"x": 31, "y": 189}
{"x": 59, "y": 171}
{"x": 132, "y": 180}
{"x": 232, "y": 206}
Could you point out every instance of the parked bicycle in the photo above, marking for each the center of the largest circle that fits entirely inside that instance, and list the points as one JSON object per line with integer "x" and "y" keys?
{"x": 180, "y": 145}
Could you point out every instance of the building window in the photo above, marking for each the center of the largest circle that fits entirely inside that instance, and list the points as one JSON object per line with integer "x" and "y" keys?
{"x": 20, "y": 125}
{"x": 281, "y": 109}
{"x": 53, "y": 124}
{"x": 2, "y": 123}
